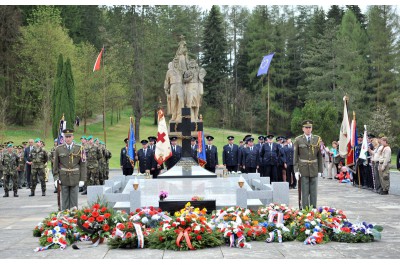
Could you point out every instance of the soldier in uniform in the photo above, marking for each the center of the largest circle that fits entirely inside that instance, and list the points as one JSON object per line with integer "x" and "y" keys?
{"x": 145, "y": 156}
{"x": 176, "y": 153}
{"x": 211, "y": 155}
{"x": 1, "y": 165}
{"x": 93, "y": 155}
{"x": 281, "y": 168}
{"x": 384, "y": 166}
{"x": 21, "y": 166}
{"x": 107, "y": 157}
{"x": 51, "y": 158}
{"x": 289, "y": 152}
{"x": 28, "y": 166}
{"x": 269, "y": 155}
{"x": 152, "y": 146}
{"x": 193, "y": 149}
{"x": 102, "y": 162}
{"x": 230, "y": 155}
{"x": 250, "y": 157}
{"x": 308, "y": 164}
{"x": 70, "y": 169}
{"x": 10, "y": 164}
{"x": 38, "y": 156}
{"x": 124, "y": 161}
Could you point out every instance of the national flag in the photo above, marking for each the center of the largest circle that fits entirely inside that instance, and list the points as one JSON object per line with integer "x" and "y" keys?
{"x": 364, "y": 146}
{"x": 131, "y": 141}
{"x": 345, "y": 134}
{"x": 61, "y": 128}
{"x": 201, "y": 151}
{"x": 266, "y": 61}
{"x": 163, "y": 146}
{"x": 353, "y": 141}
{"x": 96, "y": 66}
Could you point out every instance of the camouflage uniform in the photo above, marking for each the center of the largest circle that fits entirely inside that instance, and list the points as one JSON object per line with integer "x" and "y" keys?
{"x": 93, "y": 155}
{"x": 38, "y": 157}
{"x": 102, "y": 162}
{"x": 1, "y": 166}
{"x": 21, "y": 169}
{"x": 107, "y": 155}
{"x": 10, "y": 163}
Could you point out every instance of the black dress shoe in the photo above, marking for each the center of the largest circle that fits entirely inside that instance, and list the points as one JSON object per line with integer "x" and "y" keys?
{"x": 384, "y": 192}
{"x": 55, "y": 191}
{"x": 43, "y": 193}
{"x": 84, "y": 192}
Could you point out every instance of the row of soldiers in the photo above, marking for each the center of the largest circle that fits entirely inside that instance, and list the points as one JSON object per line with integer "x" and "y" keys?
{"x": 26, "y": 165}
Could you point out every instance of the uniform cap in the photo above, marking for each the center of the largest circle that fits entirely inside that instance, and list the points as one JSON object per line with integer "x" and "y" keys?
{"x": 250, "y": 139}
{"x": 361, "y": 135}
{"x": 381, "y": 135}
{"x": 370, "y": 135}
{"x": 144, "y": 141}
{"x": 37, "y": 140}
{"x": 24, "y": 142}
{"x": 247, "y": 136}
{"x": 269, "y": 136}
{"x": 173, "y": 138}
{"x": 95, "y": 139}
{"x": 152, "y": 138}
{"x": 260, "y": 137}
{"x": 230, "y": 137}
{"x": 55, "y": 140}
{"x": 278, "y": 138}
{"x": 210, "y": 138}
{"x": 307, "y": 123}
{"x": 9, "y": 142}
{"x": 20, "y": 147}
{"x": 126, "y": 140}
{"x": 193, "y": 139}
{"x": 68, "y": 132}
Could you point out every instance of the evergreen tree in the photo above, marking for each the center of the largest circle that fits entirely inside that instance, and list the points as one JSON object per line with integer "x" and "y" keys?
{"x": 56, "y": 96}
{"x": 335, "y": 13}
{"x": 359, "y": 15}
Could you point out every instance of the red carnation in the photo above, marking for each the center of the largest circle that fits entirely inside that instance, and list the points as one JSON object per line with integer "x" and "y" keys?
{"x": 198, "y": 237}
{"x": 65, "y": 225}
{"x": 240, "y": 234}
{"x": 86, "y": 225}
{"x": 91, "y": 219}
{"x": 95, "y": 214}
{"x": 84, "y": 217}
{"x": 96, "y": 206}
{"x": 87, "y": 210}
{"x": 130, "y": 225}
{"x": 151, "y": 208}
{"x": 229, "y": 234}
{"x": 160, "y": 238}
{"x": 107, "y": 215}
{"x": 100, "y": 219}
{"x": 106, "y": 227}
{"x": 121, "y": 226}
{"x": 138, "y": 210}
{"x": 103, "y": 209}
{"x": 49, "y": 239}
{"x": 183, "y": 223}
{"x": 196, "y": 231}
{"x": 159, "y": 210}
{"x": 173, "y": 224}
{"x": 202, "y": 229}
{"x": 128, "y": 235}
{"x": 176, "y": 231}
{"x": 249, "y": 233}
{"x": 241, "y": 244}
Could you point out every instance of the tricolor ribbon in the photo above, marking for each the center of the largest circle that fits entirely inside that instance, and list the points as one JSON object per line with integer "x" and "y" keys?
{"x": 232, "y": 240}
{"x": 38, "y": 249}
{"x": 272, "y": 236}
{"x": 139, "y": 234}
{"x": 184, "y": 233}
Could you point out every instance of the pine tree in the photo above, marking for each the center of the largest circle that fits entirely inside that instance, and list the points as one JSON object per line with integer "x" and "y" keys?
{"x": 56, "y": 94}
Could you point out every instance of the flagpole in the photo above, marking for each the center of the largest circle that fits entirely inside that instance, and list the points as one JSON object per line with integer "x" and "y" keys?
{"x": 104, "y": 100}
{"x": 268, "y": 108}
{"x": 134, "y": 153}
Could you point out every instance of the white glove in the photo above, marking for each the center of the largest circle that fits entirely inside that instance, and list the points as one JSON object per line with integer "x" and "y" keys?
{"x": 319, "y": 174}
{"x": 81, "y": 184}
{"x": 297, "y": 175}
{"x": 56, "y": 183}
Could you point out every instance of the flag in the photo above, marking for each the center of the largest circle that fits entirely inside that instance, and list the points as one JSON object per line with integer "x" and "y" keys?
{"x": 266, "y": 61}
{"x": 163, "y": 146}
{"x": 201, "y": 151}
{"x": 96, "y": 66}
{"x": 344, "y": 136}
{"x": 61, "y": 128}
{"x": 353, "y": 141}
{"x": 364, "y": 146}
{"x": 131, "y": 141}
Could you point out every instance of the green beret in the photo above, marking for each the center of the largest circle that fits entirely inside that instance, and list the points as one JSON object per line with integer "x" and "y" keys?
{"x": 10, "y": 145}
{"x": 37, "y": 140}
{"x": 95, "y": 139}
{"x": 83, "y": 137}
{"x": 89, "y": 138}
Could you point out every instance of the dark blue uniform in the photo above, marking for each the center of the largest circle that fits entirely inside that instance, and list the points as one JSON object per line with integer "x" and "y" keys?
{"x": 124, "y": 162}
{"x": 176, "y": 156}
{"x": 211, "y": 157}
{"x": 281, "y": 162}
{"x": 230, "y": 157}
{"x": 193, "y": 152}
{"x": 269, "y": 155}
{"x": 146, "y": 160}
{"x": 250, "y": 159}
{"x": 158, "y": 168}
{"x": 289, "y": 153}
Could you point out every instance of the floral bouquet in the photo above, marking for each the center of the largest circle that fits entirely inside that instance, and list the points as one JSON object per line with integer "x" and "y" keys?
{"x": 149, "y": 217}
{"x": 237, "y": 214}
{"x": 234, "y": 234}
{"x": 163, "y": 195}
{"x": 356, "y": 233}
{"x": 195, "y": 213}
{"x": 128, "y": 235}
{"x": 95, "y": 222}
{"x": 311, "y": 220}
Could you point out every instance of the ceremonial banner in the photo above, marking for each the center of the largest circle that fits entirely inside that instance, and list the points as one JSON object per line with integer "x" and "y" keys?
{"x": 96, "y": 66}
{"x": 364, "y": 147}
{"x": 131, "y": 141}
{"x": 201, "y": 151}
{"x": 62, "y": 126}
{"x": 353, "y": 142}
{"x": 344, "y": 136}
{"x": 266, "y": 61}
{"x": 163, "y": 146}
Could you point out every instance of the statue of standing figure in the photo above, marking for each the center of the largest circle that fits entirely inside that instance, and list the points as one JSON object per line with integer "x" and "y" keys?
{"x": 182, "y": 54}
{"x": 193, "y": 79}
{"x": 174, "y": 90}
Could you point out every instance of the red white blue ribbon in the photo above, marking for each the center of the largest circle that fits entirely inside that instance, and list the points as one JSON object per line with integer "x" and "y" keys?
{"x": 139, "y": 234}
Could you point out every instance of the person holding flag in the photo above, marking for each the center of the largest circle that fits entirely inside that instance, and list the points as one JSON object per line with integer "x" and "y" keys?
{"x": 163, "y": 146}
{"x": 127, "y": 156}
{"x": 384, "y": 166}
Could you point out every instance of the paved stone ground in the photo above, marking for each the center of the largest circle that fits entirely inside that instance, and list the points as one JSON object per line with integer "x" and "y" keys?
{"x": 18, "y": 216}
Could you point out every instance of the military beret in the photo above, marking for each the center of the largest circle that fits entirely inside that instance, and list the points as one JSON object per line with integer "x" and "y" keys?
{"x": 67, "y": 132}
{"x": 260, "y": 137}
{"x": 152, "y": 138}
{"x": 101, "y": 142}
{"x": 173, "y": 138}
{"x": 307, "y": 123}
{"x": 37, "y": 140}
{"x": 20, "y": 147}
{"x": 90, "y": 137}
{"x": 83, "y": 137}
{"x": 210, "y": 138}
{"x": 230, "y": 137}
{"x": 10, "y": 145}
{"x": 126, "y": 140}
{"x": 9, "y": 142}
{"x": 95, "y": 139}
{"x": 144, "y": 141}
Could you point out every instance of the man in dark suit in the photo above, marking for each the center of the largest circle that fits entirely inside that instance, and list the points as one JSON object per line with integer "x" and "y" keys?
{"x": 176, "y": 153}
{"x": 193, "y": 149}
{"x": 251, "y": 157}
{"x": 281, "y": 159}
{"x": 211, "y": 155}
{"x": 28, "y": 165}
{"x": 124, "y": 162}
{"x": 230, "y": 155}
{"x": 146, "y": 158}
{"x": 289, "y": 152}
{"x": 259, "y": 146}
{"x": 269, "y": 155}
{"x": 152, "y": 146}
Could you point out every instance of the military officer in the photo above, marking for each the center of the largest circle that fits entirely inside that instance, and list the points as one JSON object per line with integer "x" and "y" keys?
{"x": 21, "y": 166}
{"x": 127, "y": 164}
{"x": 211, "y": 155}
{"x": 289, "y": 152}
{"x": 152, "y": 146}
{"x": 193, "y": 148}
{"x": 230, "y": 155}
{"x": 269, "y": 155}
{"x": 251, "y": 157}
{"x": 145, "y": 156}
{"x": 107, "y": 156}
{"x": 38, "y": 156}
{"x": 308, "y": 164}
{"x": 93, "y": 155}
{"x": 10, "y": 164}
{"x": 176, "y": 153}
{"x": 70, "y": 169}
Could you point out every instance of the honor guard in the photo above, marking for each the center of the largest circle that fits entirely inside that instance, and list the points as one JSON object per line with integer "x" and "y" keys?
{"x": 176, "y": 153}
{"x": 38, "y": 156}
{"x": 127, "y": 164}
{"x": 269, "y": 156}
{"x": 146, "y": 158}
{"x": 250, "y": 157}
{"x": 211, "y": 155}
{"x": 230, "y": 155}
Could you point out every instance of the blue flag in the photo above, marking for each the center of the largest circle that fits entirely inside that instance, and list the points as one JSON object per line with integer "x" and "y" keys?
{"x": 201, "y": 152}
{"x": 131, "y": 141}
{"x": 266, "y": 61}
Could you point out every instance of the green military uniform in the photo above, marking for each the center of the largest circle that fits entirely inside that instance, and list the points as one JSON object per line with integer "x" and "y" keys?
{"x": 1, "y": 166}
{"x": 38, "y": 157}
{"x": 21, "y": 167}
{"x": 102, "y": 162}
{"x": 308, "y": 162}
{"x": 93, "y": 155}
{"x": 107, "y": 155}
{"x": 70, "y": 169}
{"x": 10, "y": 163}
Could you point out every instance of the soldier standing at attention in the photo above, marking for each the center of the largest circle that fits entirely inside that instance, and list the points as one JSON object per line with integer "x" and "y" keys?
{"x": 125, "y": 163}
{"x": 308, "y": 164}
{"x": 51, "y": 158}
{"x": 10, "y": 163}
{"x": 145, "y": 156}
{"x": 1, "y": 165}
{"x": 211, "y": 154}
{"x": 93, "y": 155}
{"x": 251, "y": 157}
{"x": 70, "y": 169}
{"x": 230, "y": 155}
{"x": 107, "y": 156}
{"x": 38, "y": 157}
{"x": 21, "y": 166}
{"x": 176, "y": 153}
{"x": 384, "y": 166}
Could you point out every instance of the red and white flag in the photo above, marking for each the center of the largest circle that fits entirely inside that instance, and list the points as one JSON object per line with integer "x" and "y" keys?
{"x": 364, "y": 147}
{"x": 163, "y": 146}
{"x": 345, "y": 133}
{"x": 96, "y": 66}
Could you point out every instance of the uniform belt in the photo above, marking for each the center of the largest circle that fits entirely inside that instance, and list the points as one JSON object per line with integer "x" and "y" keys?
{"x": 308, "y": 161}
{"x": 69, "y": 170}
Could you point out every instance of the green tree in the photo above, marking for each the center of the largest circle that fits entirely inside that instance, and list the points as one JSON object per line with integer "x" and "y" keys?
{"x": 56, "y": 97}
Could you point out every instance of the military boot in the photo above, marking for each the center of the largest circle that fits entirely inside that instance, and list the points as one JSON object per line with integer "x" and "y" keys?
{"x": 5, "y": 195}
{"x": 43, "y": 193}
{"x": 84, "y": 192}
{"x": 32, "y": 193}
{"x": 15, "y": 194}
